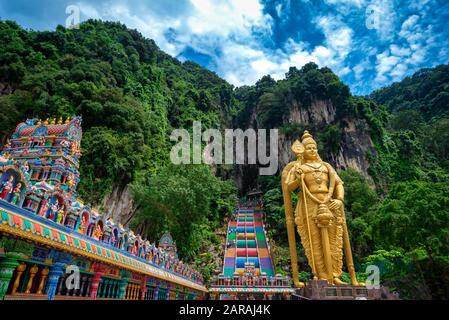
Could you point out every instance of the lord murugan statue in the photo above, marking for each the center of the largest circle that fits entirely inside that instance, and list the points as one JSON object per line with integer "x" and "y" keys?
{"x": 319, "y": 216}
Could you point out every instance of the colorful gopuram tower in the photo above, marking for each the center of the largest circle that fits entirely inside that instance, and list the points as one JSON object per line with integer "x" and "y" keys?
{"x": 40, "y": 166}
{"x": 39, "y": 174}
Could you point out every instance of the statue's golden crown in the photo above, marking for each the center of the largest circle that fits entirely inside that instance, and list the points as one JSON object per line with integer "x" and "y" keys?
{"x": 307, "y": 138}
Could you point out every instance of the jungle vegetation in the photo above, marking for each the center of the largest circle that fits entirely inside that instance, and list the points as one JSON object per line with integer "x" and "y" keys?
{"x": 398, "y": 219}
{"x": 131, "y": 95}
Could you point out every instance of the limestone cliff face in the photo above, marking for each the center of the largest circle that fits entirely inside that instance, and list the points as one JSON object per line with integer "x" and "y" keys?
{"x": 356, "y": 145}
{"x": 353, "y": 149}
{"x": 119, "y": 204}
{"x": 320, "y": 111}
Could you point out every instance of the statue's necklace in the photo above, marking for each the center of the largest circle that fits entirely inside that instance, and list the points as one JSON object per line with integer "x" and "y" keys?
{"x": 317, "y": 172}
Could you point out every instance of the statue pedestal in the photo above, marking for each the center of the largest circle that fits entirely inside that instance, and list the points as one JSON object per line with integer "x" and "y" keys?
{"x": 321, "y": 290}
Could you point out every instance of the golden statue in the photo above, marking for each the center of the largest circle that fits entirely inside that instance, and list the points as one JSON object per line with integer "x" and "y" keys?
{"x": 319, "y": 214}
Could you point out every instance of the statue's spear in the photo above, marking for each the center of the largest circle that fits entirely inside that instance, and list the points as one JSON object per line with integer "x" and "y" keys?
{"x": 303, "y": 191}
{"x": 348, "y": 253}
{"x": 290, "y": 226}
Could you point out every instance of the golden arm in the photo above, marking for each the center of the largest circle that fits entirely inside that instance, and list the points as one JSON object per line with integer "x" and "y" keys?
{"x": 293, "y": 179}
{"x": 339, "y": 192}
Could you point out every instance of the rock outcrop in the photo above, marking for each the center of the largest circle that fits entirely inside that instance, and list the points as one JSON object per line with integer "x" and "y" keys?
{"x": 119, "y": 204}
{"x": 353, "y": 149}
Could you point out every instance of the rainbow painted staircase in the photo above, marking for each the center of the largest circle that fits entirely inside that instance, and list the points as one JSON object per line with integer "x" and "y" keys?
{"x": 247, "y": 243}
{"x": 248, "y": 271}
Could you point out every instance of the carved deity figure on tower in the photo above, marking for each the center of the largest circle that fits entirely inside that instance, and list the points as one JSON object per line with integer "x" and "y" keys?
{"x": 16, "y": 193}
{"x": 6, "y": 187}
{"x": 82, "y": 225}
{"x": 98, "y": 233}
{"x": 319, "y": 215}
{"x": 54, "y": 210}
{"x": 60, "y": 215}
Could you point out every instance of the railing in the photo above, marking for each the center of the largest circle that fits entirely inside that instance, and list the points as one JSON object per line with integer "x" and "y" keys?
{"x": 29, "y": 278}
{"x": 100, "y": 243}
{"x": 250, "y": 281}
{"x": 29, "y": 282}
{"x": 64, "y": 292}
{"x": 133, "y": 291}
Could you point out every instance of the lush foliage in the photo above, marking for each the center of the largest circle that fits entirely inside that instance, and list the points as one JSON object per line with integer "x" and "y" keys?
{"x": 271, "y": 99}
{"x": 427, "y": 92}
{"x": 397, "y": 218}
{"x": 130, "y": 95}
{"x": 128, "y": 92}
{"x": 413, "y": 216}
{"x": 184, "y": 199}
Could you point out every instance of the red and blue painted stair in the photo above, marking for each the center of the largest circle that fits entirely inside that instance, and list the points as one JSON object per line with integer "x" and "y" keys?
{"x": 247, "y": 243}
{"x": 248, "y": 270}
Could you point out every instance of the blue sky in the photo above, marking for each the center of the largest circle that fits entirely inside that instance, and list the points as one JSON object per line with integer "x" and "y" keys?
{"x": 368, "y": 43}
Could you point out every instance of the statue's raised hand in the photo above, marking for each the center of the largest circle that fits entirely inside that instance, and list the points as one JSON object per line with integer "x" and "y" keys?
{"x": 298, "y": 171}
{"x": 335, "y": 204}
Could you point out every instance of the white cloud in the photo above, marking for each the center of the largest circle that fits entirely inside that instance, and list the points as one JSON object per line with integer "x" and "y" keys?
{"x": 234, "y": 33}
{"x": 89, "y": 11}
{"x": 360, "y": 68}
{"x": 338, "y": 36}
{"x": 243, "y": 64}
{"x": 417, "y": 40}
{"x": 410, "y": 30}
{"x": 417, "y": 57}
{"x": 418, "y": 4}
{"x": 443, "y": 53}
{"x": 224, "y": 18}
{"x": 345, "y": 6}
{"x": 279, "y": 9}
{"x": 399, "y": 71}
{"x": 343, "y": 72}
{"x": 386, "y": 14}
{"x": 385, "y": 63}
{"x": 399, "y": 51}
{"x": 357, "y": 3}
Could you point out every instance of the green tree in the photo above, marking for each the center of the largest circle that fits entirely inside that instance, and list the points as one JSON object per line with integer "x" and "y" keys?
{"x": 412, "y": 216}
{"x": 188, "y": 200}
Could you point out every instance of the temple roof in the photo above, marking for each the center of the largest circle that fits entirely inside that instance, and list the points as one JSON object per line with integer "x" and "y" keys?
{"x": 166, "y": 240}
{"x": 34, "y": 128}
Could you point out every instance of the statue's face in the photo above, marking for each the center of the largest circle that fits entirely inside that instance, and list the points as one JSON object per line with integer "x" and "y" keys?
{"x": 311, "y": 152}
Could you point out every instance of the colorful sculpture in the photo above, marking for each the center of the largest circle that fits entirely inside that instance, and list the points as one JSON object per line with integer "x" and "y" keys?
{"x": 53, "y": 210}
{"x": 7, "y": 187}
{"x": 4, "y": 157}
{"x": 83, "y": 225}
{"x": 167, "y": 244}
{"x": 25, "y": 167}
{"x": 44, "y": 206}
{"x": 98, "y": 233}
{"x": 44, "y": 155}
{"x": 70, "y": 181}
{"x": 319, "y": 215}
{"x": 60, "y": 215}
{"x": 16, "y": 193}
